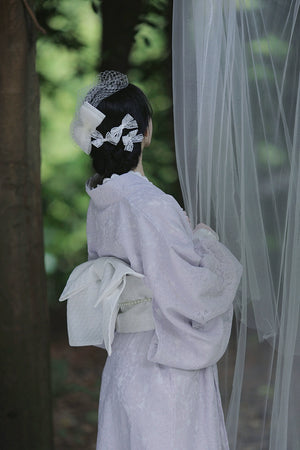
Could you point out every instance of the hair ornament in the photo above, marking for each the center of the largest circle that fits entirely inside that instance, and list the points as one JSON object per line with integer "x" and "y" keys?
{"x": 89, "y": 118}
{"x": 99, "y": 139}
{"x": 109, "y": 82}
{"x": 130, "y": 139}
{"x": 114, "y": 135}
{"x": 128, "y": 122}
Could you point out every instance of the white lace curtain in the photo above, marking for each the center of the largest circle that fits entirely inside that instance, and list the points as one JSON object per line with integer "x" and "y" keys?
{"x": 237, "y": 131}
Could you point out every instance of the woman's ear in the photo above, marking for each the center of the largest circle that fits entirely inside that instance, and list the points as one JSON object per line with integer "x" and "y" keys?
{"x": 148, "y": 134}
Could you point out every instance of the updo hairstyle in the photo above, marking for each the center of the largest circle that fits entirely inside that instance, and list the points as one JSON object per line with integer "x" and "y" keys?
{"x": 109, "y": 158}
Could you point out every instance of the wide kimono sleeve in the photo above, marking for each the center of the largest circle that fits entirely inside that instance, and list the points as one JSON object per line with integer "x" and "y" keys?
{"x": 194, "y": 283}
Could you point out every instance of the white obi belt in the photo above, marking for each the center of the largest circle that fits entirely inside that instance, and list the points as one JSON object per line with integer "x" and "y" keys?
{"x": 106, "y": 295}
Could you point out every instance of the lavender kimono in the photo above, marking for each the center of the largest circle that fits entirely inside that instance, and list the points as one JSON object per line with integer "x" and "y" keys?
{"x": 159, "y": 388}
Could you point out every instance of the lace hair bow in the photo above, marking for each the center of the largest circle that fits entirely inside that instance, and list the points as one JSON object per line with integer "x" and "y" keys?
{"x": 88, "y": 117}
{"x": 114, "y": 135}
{"x": 128, "y": 122}
{"x": 130, "y": 139}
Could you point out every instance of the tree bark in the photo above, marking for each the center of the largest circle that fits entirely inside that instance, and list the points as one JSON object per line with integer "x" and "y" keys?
{"x": 25, "y": 413}
{"x": 119, "y": 20}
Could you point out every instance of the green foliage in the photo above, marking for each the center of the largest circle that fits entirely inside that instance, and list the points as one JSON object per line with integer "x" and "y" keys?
{"x": 248, "y": 5}
{"x": 270, "y": 46}
{"x": 270, "y": 155}
{"x": 259, "y": 72}
{"x": 150, "y": 41}
{"x": 265, "y": 391}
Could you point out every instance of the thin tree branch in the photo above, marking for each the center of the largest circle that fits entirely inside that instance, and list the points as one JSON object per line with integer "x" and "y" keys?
{"x": 35, "y": 21}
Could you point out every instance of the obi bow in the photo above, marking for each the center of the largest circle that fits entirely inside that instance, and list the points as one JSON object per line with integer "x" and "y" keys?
{"x": 93, "y": 291}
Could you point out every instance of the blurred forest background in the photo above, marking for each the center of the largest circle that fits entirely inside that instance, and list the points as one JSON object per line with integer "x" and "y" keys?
{"x": 76, "y": 40}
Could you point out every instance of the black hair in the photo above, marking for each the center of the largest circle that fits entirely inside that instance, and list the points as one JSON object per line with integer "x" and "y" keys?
{"x": 109, "y": 158}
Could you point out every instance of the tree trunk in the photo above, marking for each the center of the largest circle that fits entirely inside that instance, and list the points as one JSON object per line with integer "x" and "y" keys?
{"x": 119, "y": 19}
{"x": 25, "y": 412}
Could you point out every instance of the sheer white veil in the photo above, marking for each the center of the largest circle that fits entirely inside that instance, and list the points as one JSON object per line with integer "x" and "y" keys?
{"x": 236, "y": 94}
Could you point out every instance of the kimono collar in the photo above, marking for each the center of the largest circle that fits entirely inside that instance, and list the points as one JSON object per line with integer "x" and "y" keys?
{"x": 114, "y": 188}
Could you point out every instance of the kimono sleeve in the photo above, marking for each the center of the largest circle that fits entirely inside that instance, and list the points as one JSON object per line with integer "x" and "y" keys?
{"x": 192, "y": 290}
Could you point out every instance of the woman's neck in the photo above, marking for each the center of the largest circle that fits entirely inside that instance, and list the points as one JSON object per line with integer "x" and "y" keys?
{"x": 139, "y": 167}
